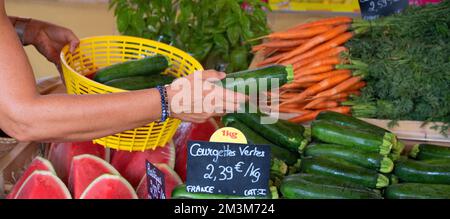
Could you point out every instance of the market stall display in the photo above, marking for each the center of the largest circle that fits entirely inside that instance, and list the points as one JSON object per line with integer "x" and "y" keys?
{"x": 379, "y": 65}
{"x": 332, "y": 71}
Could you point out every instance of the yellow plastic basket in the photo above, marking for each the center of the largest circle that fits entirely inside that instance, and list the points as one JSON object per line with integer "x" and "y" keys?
{"x": 97, "y": 52}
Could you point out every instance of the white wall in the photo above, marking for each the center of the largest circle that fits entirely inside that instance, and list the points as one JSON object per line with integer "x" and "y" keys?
{"x": 84, "y": 17}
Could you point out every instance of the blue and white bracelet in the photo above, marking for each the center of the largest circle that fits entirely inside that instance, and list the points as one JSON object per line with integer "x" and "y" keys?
{"x": 165, "y": 111}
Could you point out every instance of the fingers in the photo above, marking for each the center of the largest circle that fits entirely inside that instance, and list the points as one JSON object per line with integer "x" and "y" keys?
{"x": 71, "y": 39}
{"x": 212, "y": 75}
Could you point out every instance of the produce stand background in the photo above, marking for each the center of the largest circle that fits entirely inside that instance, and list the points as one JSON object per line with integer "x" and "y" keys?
{"x": 410, "y": 132}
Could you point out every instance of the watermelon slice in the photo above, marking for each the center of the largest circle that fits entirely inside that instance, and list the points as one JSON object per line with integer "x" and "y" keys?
{"x": 38, "y": 163}
{"x": 109, "y": 186}
{"x": 61, "y": 155}
{"x": 171, "y": 179}
{"x": 43, "y": 185}
{"x": 131, "y": 165}
{"x": 193, "y": 132}
{"x": 85, "y": 169}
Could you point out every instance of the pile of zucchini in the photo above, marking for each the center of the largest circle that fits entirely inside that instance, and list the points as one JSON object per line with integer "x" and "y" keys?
{"x": 347, "y": 159}
{"x": 350, "y": 158}
{"x": 284, "y": 138}
{"x": 136, "y": 74}
{"x": 425, "y": 175}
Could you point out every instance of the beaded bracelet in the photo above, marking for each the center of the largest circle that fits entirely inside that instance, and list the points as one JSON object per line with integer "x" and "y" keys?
{"x": 165, "y": 111}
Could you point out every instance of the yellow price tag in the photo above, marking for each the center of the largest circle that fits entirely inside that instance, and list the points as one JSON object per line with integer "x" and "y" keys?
{"x": 228, "y": 135}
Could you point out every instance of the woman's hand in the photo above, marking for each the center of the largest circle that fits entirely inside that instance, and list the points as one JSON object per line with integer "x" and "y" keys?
{"x": 49, "y": 39}
{"x": 195, "y": 98}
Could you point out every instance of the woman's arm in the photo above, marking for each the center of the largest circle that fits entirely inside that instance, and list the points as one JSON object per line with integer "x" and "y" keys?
{"x": 27, "y": 116}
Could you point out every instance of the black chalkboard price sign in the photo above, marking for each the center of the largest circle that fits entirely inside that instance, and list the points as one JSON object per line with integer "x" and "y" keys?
{"x": 155, "y": 182}
{"x": 228, "y": 168}
{"x": 372, "y": 9}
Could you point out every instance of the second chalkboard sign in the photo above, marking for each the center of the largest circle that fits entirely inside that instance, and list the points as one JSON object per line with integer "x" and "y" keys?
{"x": 372, "y": 9}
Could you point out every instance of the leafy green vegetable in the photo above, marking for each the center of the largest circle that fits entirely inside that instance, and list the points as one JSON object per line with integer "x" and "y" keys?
{"x": 197, "y": 26}
{"x": 408, "y": 73}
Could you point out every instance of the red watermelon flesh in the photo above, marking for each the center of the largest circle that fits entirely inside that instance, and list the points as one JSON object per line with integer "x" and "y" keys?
{"x": 109, "y": 186}
{"x": 85, "y": 169}
{"x": 43, "y": 185}
{"x": 194, "y": 132}
{"x": 38, "y": 163}
{"x": 61, "y": 155}
{"x": 171, "y": 179}
{"x": 131, "y": 165}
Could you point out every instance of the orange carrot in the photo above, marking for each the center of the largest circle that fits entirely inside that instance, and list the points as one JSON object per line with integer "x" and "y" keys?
{"x": 341, "y": 99}
{"x": 354, "y": 92}
{"x": 293, "y": 110}
{"x": 266, "y": 52}
{"x": 317, "y": 40}
{"x": 310, "y": 71}
{"x": 357, "y": 86}
{"x": 321, "y": 86}
{"x": 257, "y": 48}
{"x": 325, "y": 104}
{"x": 286, "y": 49}
{"x": 340, "y": 87}
{"x": 270, "y": 60}
{"x": 325, "y": 21}
{"x": 282, "y": 43}
{"x": 335, "y": 42}
{"x": 320, "y": 76}
{"x": 306, "y": 85}
{"x": 288, "y": 95}
{"x": 314, "y": 103}
{"x": 333, "y": 52}
{"x": 336, "y": 96}
{"x": 332, "y": 60}
{"x": 312, "y": 115}
{"x": 300, "y": 34}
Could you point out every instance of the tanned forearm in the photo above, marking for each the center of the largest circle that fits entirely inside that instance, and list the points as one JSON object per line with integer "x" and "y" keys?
{"x": 28, "y": 116}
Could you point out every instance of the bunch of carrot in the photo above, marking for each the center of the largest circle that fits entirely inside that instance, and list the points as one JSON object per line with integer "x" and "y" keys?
{"x": 321, "y": 78}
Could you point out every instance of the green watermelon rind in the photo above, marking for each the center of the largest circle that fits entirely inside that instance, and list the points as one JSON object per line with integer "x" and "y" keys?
{"x": 50, "y": 174}
{"x": 112, "y": 177}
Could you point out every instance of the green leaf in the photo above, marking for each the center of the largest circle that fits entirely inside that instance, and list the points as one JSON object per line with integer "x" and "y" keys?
{"x": 123, "y": 20}
{"x": 138, "y": 21}
{"x": 221, "y": 43}
{"x": 239, "y": 58}
{"x": 233, "y": 34}
{"x": 245, "y": 22}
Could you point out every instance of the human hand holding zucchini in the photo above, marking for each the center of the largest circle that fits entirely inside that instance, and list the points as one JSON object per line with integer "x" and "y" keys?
{"x": 185, "y": 96}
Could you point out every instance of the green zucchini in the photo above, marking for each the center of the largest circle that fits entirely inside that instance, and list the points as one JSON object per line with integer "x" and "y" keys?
{"x": 350, "y": 121}
{"x": 278, "y": 152}
{"x": 417, "y": 191}
{"x": 337, "y": 134}
{"x": 422, "y": 172}
{"x": 147, "y": 66}
{"x": 343, "y": 171}
{"x": 362, "y": 158}
{"x": 242, "y": 81}
{"x": 309, "y": 186}
{"x": 282, "y": 133}
{"x": 430, "y": 151}
{"x": 180, "y": 192}
{"x": 140, "y": 82}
